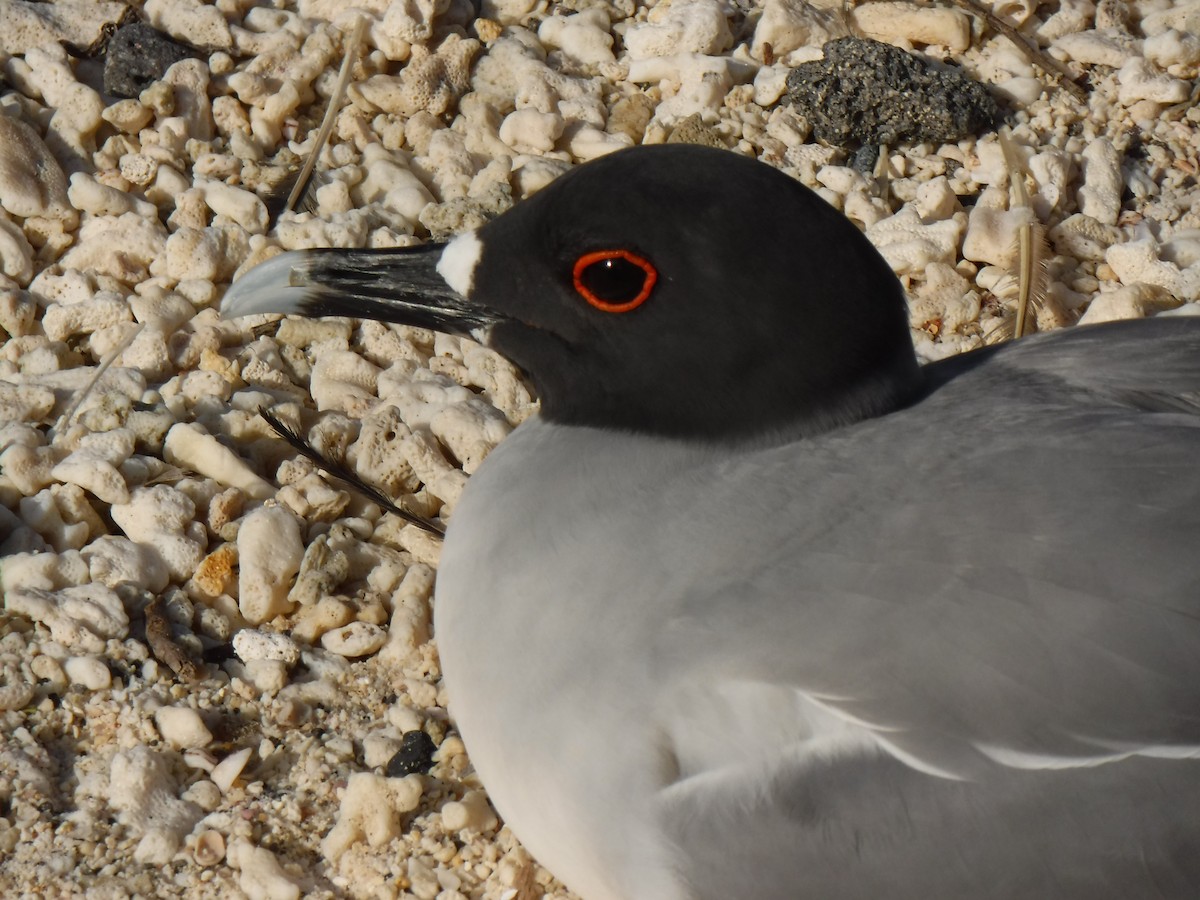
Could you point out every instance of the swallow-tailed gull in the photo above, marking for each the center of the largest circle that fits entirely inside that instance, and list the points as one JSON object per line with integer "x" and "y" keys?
{"x": 757, "y": 607}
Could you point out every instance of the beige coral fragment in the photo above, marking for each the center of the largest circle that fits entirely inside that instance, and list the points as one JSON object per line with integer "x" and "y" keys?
{"x": 82, "y": 616}
{"x": 371, "y": 810}
{"x": 77, "y": 22}
{"x": 32, "y": 182}
{"x": 189, "y": 446}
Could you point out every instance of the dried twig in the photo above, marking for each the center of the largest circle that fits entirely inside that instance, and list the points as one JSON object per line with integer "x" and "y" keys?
{"x": 300, "y": 190}
{"x": 1031, "y": 241}
{"x": 61, "y": 425}
{"x": 163, "y": 646}
{"x": 1032, "y": 51}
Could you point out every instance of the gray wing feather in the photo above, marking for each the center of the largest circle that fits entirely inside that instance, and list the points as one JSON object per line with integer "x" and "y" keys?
{"x": 1001, "y": 578}
{"x": 1023, "y": 576}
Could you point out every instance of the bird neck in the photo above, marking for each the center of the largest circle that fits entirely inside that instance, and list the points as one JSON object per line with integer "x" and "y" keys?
{"x": 743, "y": 412}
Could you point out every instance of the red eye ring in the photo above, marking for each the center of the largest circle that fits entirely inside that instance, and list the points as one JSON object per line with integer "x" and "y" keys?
{"x": 590, "y": 259}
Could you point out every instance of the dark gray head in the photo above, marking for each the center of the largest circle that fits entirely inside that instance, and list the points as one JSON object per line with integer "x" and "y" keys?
{"x": 674, "y": 290}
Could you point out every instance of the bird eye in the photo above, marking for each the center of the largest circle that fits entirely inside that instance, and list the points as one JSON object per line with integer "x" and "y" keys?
{"x": 614, "y": 281}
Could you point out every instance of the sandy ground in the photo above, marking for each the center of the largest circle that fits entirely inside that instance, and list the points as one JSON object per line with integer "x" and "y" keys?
{"x": 210, "y": 655}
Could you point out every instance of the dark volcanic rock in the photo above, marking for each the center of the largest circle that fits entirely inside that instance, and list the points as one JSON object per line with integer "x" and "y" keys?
{"x": 137, "y": 56}
{"x": 414, "y": 756}
{"x": 866, "y": 92}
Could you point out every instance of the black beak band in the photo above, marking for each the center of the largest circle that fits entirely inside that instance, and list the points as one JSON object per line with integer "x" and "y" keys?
{"x": 399, "y": 285}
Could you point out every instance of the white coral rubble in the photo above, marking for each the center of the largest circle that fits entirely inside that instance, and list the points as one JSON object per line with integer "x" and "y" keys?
{"x": 133, "y": 457}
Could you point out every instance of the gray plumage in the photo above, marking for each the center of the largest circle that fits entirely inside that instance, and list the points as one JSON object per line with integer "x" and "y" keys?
{"x": 997, "y": 582}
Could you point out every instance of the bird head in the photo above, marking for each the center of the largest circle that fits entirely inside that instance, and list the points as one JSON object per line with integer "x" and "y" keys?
{"x": 674, "y": 290}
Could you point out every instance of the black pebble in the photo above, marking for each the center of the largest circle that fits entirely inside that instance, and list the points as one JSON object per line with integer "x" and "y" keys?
{"x": 864, "y": 158}
{"x": 866, "y": 92}
{"x": 218, "y": 653}
{"x": 415, "y": 755}
{"x": 137, "y": 56}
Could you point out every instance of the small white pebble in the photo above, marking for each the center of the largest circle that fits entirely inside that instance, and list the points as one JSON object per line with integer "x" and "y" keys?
{"x": 260, "y": 875}
{"x": 227, "y": 770}
{"x": 15, "y": 692}
{"x": 269, "y": 676}
{"x": 156, "y": 847}
{"x": 238, "y": 204}
{"x": 89, "y": 672}
{"x": 204, "y": 794}
{"x": 182, "y": 727}
{"x": 355, "y": 639}
{"x": 378, "y": 749}
{"x": 472, "y": 812}
{"x": 47, "y": 668}
{"x": 250, "y": 643}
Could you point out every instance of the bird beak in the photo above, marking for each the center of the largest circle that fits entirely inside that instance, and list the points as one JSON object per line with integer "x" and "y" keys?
{"x": 399, "y": 284}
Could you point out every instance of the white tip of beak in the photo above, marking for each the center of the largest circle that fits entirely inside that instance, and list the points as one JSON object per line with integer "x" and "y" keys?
{"x": 268, "y": 288}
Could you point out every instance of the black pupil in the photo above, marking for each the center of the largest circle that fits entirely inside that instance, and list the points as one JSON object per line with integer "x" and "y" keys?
{"x": 614, "y": 280}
